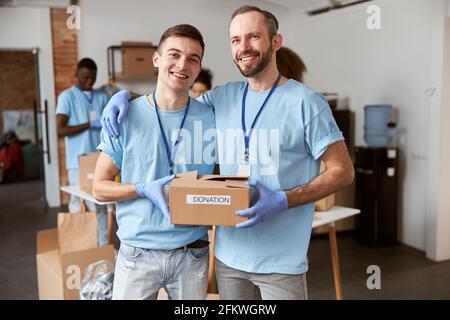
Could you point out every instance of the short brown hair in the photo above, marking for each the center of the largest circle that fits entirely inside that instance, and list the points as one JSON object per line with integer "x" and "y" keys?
{"x": 290, "y": 64}
{"x": 271, "y": 20}
{"x": 183, "y": 31}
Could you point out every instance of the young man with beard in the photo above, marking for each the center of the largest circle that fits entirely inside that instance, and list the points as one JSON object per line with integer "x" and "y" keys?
{"x": 157, "y": 139}
{"x": 266, "y": 256}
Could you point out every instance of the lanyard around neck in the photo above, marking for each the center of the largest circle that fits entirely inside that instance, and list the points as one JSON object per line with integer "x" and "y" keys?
{"x": 165, "y": 141}
{"x": 244, "y": 129}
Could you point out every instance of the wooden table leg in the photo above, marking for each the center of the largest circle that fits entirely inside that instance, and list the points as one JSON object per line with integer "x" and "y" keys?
{"x": 82, "y": 207}
{"x": 212, "y": 286}
{"x": 110, "y": 227}
{"x": 335, "y": 261}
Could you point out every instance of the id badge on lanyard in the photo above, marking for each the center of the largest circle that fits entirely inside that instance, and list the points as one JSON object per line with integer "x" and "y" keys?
{"x": 244, "y": 169}
{"x": 170, "y": 152}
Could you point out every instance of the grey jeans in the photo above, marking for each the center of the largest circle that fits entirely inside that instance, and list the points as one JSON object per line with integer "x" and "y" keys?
{"x": 141, "y": 273}
{"x": 235, "y": 284}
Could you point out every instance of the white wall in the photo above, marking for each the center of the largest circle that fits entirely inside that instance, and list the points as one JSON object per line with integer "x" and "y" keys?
{"x": 438, "y": 245}
{"x": 103, "y": 25}
{"x": 393, "y": 65}
{"x": 25, "y": 28}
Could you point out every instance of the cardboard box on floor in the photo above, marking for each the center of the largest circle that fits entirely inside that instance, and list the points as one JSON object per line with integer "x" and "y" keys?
{"x": 62, "y": 256}
{"x": 87, "y": 164}
{"x": 60, "y": 274}
{"x": 328, "y": 202}
{"x": 208, "y": 199}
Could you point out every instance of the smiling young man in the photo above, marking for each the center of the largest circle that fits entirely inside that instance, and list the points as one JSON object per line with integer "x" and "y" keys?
{"x": 157, "y": 142}
{"x": 285, "y": 130}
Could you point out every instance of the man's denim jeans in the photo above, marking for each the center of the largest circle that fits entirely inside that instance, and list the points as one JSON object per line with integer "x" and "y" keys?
{"x": 141, "y": 273}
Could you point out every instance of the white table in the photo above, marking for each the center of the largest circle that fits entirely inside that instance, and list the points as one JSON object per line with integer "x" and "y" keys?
{"x": 76, "y": 191}
{"x": 322, "y": 218}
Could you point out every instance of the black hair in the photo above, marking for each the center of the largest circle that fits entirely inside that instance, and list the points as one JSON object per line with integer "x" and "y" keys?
{"x": 205, "y": 77}
{"x": 87, "y": 63}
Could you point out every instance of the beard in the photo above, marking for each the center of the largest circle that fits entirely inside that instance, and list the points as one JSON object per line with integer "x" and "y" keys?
{"x": 262, "y": 64}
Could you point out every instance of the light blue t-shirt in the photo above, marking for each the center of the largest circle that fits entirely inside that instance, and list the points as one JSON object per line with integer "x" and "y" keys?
{"x": 293, "y": 131}
{"x": 140, "y": 156}
{"x": 79, "y": 107}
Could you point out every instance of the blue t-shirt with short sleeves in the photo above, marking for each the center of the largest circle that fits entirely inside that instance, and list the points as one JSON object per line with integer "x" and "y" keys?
{"x": 140, "y": 155}
{"x": 292, "y": 133}
{"x": 81, "y": 108}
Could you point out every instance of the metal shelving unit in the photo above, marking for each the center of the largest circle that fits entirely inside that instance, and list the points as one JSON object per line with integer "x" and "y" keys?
{"x": 112, "y": 75}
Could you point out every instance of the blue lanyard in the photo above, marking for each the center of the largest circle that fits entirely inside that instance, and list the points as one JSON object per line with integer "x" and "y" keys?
{"x": 166, "y": 143}
{"x": 244, "y": 129}
{"x": 86, "y": 96}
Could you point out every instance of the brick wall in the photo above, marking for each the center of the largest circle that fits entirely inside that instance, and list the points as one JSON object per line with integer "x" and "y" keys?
{"x": 65, "y": 59}
{"x": 17, "y": 81}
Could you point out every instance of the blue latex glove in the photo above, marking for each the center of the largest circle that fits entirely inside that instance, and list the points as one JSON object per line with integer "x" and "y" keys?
{"x": 115, "y": 112}
{"x": 268, "y": 204}
{"x": 154, "y": 191}
{"x": 95, "y": 124}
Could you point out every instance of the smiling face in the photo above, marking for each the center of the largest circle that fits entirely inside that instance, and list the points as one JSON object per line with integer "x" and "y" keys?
{"x": 179, "y": 62}
{"x": 251, "y": 46}
{"x": 86, "y": 78}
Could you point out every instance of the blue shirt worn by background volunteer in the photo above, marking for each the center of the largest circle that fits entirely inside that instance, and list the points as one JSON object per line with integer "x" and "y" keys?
{"x": 293, "y": 131}
{"x": 73, "y": 103}
{"x": 140, "y": 156}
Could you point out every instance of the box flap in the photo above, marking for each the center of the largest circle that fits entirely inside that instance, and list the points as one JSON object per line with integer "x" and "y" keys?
{"x": 209, "y": 180}
{"x": 46, "y": 240}
{"x": 237, "y": 183}
{"x": 216, "y": 177}
{"x": 189, "y": 183}
{"x": 49, "y": 275}
{"x": 51, "y": 260}
{"x": 191, "y": 175}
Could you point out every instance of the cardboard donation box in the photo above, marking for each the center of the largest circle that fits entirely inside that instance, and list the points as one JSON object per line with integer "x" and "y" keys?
{"x": 137, "y": 59}
{"x": 63, "y": 255}
{"x": 87, "y": 164}
{"x": 208, "y": 199}
{"x": 328, "y": 202}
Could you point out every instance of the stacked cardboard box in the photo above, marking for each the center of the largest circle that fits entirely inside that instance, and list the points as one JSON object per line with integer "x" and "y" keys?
{"x": 137, "y": 59}
{"x": 87, "y": 164}
{"x": 60, "y": 273}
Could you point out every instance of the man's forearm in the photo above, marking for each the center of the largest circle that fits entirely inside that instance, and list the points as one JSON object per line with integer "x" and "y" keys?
{"x": 71, "y": 130}
{"x": 106, "y": 190}
{"x": 327, "y": 183}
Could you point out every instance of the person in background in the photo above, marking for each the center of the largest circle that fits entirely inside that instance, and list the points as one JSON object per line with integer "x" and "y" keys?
{"x": 290, "y": 64}
{"x": 110, "y": 88}
{"x": 78, "y": 120}
{"x": 202, "y": 84}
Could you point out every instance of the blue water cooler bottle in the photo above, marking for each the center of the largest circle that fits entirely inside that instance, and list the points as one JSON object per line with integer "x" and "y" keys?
{"x": 378, "y": 125}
